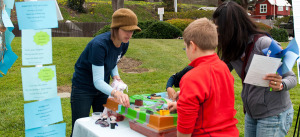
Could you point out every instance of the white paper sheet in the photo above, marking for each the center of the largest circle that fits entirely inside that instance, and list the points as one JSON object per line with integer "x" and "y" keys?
{"x": 259, "y": 67}
{"x": 296, "y": 10}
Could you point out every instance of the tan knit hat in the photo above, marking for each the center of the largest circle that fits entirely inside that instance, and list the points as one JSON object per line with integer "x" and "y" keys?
{"x": 125, "y": 19}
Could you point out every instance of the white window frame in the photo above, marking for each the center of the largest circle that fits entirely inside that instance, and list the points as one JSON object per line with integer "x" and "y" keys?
{"x": 286, "y": 8}
{"x": 263, "y": 8}
{"x": 280, "y": 8}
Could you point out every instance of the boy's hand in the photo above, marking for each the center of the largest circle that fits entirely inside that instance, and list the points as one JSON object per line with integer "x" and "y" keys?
{"x": 118, "y": 84}
{"x": 177, "y": 95}
{"x": 275, "y": 81}
{"x": 172, "y": 106}
{"x": 171, "y": 93}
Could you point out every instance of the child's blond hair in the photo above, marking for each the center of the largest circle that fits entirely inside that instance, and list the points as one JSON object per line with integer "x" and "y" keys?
{"x": 203, "y": 33}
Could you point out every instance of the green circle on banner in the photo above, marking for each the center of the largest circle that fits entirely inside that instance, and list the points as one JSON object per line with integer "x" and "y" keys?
{"x": 41, "y": 38}
{"x": 46, "y": 74}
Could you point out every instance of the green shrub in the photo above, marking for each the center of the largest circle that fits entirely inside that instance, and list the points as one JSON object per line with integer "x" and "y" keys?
{"x": 280, "y": 35}
{"x": 77, "y": 5}
{"x": 192, "y": 14}
{"x": 139, "y": 34}
{"x": 180, "y": 23}
{"x": 151, "y": 29}
{"x": 263, "y": 26}
{"x": 160, "y": 30}
{"x": 281, "y": 20}
{"x": 103, "y": 30}
{"x": 143, "y": 25}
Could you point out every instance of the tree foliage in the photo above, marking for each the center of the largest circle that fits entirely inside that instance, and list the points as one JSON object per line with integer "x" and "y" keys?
{"x": 168, "y": 4}
{"x": 246, "y": 4}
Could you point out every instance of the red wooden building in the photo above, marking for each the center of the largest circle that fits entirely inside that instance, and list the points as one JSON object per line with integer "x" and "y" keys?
{"x": 269, "y": 8}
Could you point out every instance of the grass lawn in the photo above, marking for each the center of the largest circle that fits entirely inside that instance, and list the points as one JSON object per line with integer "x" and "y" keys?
{"x": 161, "y": 57}
{"x": 101, "y": 10}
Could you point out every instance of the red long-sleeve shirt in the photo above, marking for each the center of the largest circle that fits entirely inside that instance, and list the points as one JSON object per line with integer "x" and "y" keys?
{"x": 206, "y": 100}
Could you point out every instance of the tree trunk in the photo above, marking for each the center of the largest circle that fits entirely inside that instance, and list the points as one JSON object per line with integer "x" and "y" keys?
{"x": 244, "y": 4}
{"x": 117, "y": 4}
{"x": 120, "y": 4}
{"x": 220, "y": 2}
{"x": 114, "y": 4}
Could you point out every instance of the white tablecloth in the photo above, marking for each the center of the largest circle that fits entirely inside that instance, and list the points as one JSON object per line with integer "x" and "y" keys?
{"x": 86, "y": 127}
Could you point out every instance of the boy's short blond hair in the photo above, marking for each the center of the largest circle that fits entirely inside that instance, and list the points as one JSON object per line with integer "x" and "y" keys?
{"x": 203, "y": 33}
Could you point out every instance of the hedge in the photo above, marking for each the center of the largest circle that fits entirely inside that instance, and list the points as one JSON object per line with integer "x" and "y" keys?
{"x": 160, "y": 30}
{"x": 280, "y": 35}
{"x": 281, "y": 20}
{"x": 143, "y": 25}
{"x": 180, "y": 23}
{"x": 103, "y": 30}
{"x": 192, "y": 14}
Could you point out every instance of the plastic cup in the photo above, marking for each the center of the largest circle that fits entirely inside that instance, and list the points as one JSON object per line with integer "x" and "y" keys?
{"x": 96, "y": 115}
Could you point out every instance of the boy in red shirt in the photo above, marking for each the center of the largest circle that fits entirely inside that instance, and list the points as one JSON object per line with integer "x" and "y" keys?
{"x": 206, "y": 101}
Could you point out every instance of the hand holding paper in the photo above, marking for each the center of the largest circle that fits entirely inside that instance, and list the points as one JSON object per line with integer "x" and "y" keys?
{"x": 261, "y": 66}
{"x": 275, "y": 81}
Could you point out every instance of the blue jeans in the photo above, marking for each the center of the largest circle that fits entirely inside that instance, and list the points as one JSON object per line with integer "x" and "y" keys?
{"x": 82, "y": 100}
{"x": 274, "y": 126}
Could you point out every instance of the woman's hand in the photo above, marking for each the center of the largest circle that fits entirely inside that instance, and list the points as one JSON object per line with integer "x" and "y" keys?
{"x": 117, "y": 78}
{"x": 172, "y": 106}
{"x": 275, "y": 81}
{"x": 122, "y": 98}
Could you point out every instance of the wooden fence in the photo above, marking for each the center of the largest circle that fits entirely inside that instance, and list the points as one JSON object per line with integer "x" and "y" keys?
{"x": 71, "y": 29}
